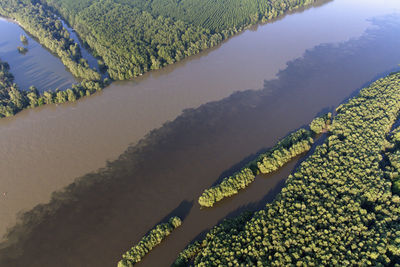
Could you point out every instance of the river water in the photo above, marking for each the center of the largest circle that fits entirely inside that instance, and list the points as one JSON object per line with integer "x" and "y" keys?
{"x": 37, "y": 67}
{"x": 163, "y": 138}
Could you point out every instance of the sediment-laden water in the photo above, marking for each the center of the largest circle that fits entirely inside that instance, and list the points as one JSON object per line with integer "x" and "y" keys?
{"x": 325, "y": 55}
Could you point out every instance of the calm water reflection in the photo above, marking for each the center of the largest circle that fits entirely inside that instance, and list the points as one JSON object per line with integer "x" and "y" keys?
{"x": 37, "y": 67}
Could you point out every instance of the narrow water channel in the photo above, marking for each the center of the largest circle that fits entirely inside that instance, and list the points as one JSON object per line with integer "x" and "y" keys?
{"x": 92, "y": 61}
{"x": 325, "y": 55}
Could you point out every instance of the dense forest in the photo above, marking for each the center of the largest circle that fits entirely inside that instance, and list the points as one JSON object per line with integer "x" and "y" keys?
{"x": 149, "y": 241}
{"x": 284, "y": 151}
{"x": 340, "y": 207}
{"x": 43, "y": 25}
{"x": 135, "y": 36}
{"x": 392, "y": 163}
{"x": 13, "y": 100}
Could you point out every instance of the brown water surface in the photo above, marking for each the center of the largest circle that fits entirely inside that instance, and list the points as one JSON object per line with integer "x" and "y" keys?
{"x": 325, "y": 54}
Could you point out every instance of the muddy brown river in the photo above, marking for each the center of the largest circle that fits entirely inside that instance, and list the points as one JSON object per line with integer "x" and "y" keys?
{"x": 144, "y": 150}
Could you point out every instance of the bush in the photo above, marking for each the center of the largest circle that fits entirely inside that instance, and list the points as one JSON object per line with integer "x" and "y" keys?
{"x": 148, "y": 242}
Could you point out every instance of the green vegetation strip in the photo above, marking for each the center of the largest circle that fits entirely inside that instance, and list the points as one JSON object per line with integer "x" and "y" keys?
{"x": 135, "y": 36}
{"x": 148, "y": 242}
{"x": 284, "y": 151}
{"x": 13, "y": 100}
{"x": 228, "y": 187}
{"x": 338, "y": 208}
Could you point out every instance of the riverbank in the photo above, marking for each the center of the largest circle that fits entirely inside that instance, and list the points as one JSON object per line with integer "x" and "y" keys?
{"x": 148, "y": 178}
{"x": 36, "y": 163}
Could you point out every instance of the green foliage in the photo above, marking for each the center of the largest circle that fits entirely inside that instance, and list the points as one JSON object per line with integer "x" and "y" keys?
{"x": 228, "y": 187}
{"x": 233, "y": 225}
{"x": 321, "y": 124}
{"x": 395, "y": 137}
{"x": 41, "y": 23}
{"x": 396, "y": 187}
{"x": 13, "y": 100}
{"x": 284, "y": 151}
{"x": 23, "y": 39}
{"x": 188, "y": 254}
{"x": 134, "y": 36}
{"x": 148, "y": 242}
{"x": 22, "y": 49}
{"x": 338, "y": 208}
{"x": 393, "y": 160}
{"x": 132, "y": 41}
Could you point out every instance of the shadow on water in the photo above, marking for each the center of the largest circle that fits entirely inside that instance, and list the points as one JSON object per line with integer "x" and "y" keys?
{"x": 170, "y": 68}
{"x": 96, "y": 218}
{"x": 181, "y": 211}
{"x": 254, "y": 156}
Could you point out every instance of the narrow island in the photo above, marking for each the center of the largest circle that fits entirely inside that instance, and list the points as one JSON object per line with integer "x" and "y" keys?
{"x": 283, "y": 152}
{"x": 23, "y": 39}
{"x": 340, "y": 207}
{"x": 149, "y": 241}
{"x": 22, "y": 50}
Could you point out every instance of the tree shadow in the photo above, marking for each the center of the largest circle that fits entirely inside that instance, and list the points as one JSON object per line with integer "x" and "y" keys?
{"x": 181, "y": 211}
{"x": 120, "y": 201}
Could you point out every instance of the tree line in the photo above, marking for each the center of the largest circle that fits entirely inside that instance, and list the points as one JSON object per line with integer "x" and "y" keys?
{"x": 228, "y": 187}
{"x": 321, "y": 124}
{"x": 135, "y": 36}
{"x": 283, "y": 152}
{"x": 13, "y": 100}
{"x": 42, "y": 24}
{"x": 340, "y": 207}
{"x": 148, "y": 242}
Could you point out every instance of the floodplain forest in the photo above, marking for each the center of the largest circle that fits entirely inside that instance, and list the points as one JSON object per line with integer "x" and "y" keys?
{"x": 133, "y": 37}
{"x": 340, "y": 207}
{"x": 283, "y": 152}
{"x": 43, "y": 25}
{"x": 128, "y": 37}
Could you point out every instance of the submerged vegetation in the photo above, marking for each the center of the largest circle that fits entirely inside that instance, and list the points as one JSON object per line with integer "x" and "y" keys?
{"x": 284, "y": 151}
{"x": 22, "y": 49}
{"x": 149, "y": 241}
{"x": 23, "y": 39}
{"x": 340, "y": 207}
